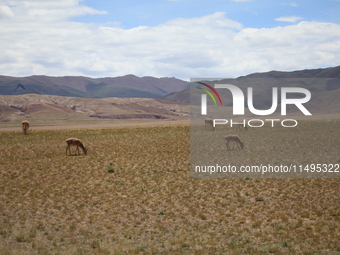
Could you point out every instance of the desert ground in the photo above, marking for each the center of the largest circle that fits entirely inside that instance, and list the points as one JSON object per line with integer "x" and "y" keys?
{"x": 132, "y": 194}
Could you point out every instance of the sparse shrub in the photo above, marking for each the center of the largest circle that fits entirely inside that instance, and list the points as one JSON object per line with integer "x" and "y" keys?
{"x": 20, "y": 238}
{"x": 285, "y": 244}
{"x": 202, "y": 217}
{"x": 4, "y": 233}
{"x": 185, "y": 246}
{"x": 233, "y": 243}
{"x": 247, "y": 240}
{"x": 95, "y": 244}
{"x": 110, "y": 169}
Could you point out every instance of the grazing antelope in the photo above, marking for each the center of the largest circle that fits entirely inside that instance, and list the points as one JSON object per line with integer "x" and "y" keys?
{"x": 75, "y": 142}
{"x": 25, "y": 126}
{"x": 209, "y": 124}
{"x": 233, "y": 139}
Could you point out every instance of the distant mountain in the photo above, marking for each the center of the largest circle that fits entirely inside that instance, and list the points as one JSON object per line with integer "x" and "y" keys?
{"x": 73, "y": 86}
{"x": 324, "y": 85}
{"x": 331, "y": 72}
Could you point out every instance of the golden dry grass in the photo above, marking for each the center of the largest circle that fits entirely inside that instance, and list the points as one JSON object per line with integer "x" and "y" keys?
{"x": 132, "y": 195}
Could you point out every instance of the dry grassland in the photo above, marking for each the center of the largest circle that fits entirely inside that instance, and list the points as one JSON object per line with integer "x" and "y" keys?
{"x": 301, "y": 148}
{"x": 132, "y": 195}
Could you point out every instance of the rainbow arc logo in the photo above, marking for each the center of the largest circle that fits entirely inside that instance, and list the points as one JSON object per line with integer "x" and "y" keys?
{"x": 204, "y": 97}
{"x": 210, "y": 94}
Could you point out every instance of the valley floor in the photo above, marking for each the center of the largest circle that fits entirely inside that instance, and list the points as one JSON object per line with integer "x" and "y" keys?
{"x": 132, "y": 194}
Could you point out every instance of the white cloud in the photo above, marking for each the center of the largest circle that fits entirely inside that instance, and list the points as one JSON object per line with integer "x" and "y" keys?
{"x": 45, "y": 11}
{"x": 293, "y": 4}
{"x": 209, "y": 46}
{"x": 216, "y": 20}
{"x": 291, "y": 19}
{"x": 5, "y": 12}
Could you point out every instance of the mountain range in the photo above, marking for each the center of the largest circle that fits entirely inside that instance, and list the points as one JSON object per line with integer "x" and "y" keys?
{"x": 70, "y": 99}
{"x": 128, "y": 86}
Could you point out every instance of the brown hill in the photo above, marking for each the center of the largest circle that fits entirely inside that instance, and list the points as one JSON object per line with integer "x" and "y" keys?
{"x": 49, "y": 110}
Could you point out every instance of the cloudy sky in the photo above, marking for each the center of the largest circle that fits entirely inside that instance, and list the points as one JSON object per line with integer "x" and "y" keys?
{"x": 167, "y": 38}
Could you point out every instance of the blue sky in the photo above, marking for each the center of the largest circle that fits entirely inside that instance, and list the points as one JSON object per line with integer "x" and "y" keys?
{"x": 163, "y": 38}
{"x": 258, "y": 14}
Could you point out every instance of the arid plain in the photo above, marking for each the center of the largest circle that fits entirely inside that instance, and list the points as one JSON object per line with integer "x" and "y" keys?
{"x": 132, "y": 194}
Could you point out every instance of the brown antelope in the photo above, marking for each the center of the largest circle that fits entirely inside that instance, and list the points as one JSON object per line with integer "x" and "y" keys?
{"x": 25, "y": 126}
{"x": 75, "y": 142}
{"x": 209, "y": 124}
{"x": 233, "y": 139}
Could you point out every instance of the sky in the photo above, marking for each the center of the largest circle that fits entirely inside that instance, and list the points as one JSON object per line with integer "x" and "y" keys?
{"x": 167, "y": 38}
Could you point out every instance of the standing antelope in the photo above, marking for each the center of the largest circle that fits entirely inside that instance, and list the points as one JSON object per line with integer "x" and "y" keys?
{"x": 75, "y": 142}
{"x": 25, "y": 126}
{"x": 234, "y": 139}
{"x": 209, "y": 124}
